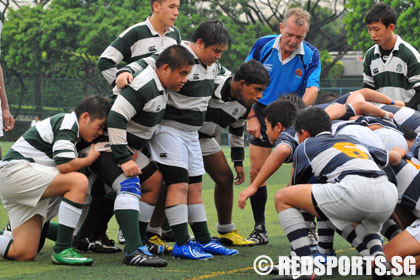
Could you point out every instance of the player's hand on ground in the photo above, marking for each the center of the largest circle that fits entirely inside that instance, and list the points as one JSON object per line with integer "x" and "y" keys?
{"x": 130, "y": 168}
{"x": 93, "y": 154}
{"x": 124, "y": 79}
{"x": 240, "y": 175}
{"x": 244, "y": 195}
{"x": 253, "y": 127}
{"x": 8, "y": 120}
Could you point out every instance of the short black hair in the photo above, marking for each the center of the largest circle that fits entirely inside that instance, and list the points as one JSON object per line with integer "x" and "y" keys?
{"x": 97, "y": 106}
{"x": 326, "y": 98}
{"x": 281, "y": 111}
{"x": 252, "y": 72}
{"x": 381, "y": 12}
{"x": 212, "y": 33}
{"x": 409, "y": 134}
{"x": 176, "y": 56}
{"x": 314, "y": 120}
{"x": 294, "y": 99}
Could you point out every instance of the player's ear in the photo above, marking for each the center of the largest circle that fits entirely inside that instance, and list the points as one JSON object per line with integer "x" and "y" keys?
{"x": 84, "y": 118}
{"x": 242, "y": 84}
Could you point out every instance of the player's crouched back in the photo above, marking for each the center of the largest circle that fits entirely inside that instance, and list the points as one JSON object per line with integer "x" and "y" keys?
{"x": 42, "y": 164}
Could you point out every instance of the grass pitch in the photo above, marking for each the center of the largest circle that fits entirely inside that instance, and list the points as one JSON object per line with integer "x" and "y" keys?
{"x": 234, "y": 267}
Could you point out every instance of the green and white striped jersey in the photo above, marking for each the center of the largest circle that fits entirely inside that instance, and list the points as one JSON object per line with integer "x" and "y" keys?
{"x": 135, "y": 114}
{"x": 222, "y": 112}
{"x": 399, "y": 76}
{"x": 136, "y": 42}
{"x": 187, "y": 108}
{"x": 51, "y": 142}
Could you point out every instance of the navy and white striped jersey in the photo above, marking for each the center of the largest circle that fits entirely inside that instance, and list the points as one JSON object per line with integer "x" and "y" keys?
{"x": 331, "y": 158}
{"x": 289, "y": 138}
{"x": 408, "y": 185}
{"x": 223, "y": 111}
{"x": 404, "y": 116}
{"x": 51, "y": 142}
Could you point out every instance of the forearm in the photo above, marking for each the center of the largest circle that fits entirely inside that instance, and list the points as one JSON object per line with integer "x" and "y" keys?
{"x": 74, "y": 165}
{"x": 311, "y": 93}
{"x": 272, "y": 164}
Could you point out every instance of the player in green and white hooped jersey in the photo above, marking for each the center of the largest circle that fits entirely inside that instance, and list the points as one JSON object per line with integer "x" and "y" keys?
{"x": 142, "y": 39}
{"x": 43, "y": 163}
{"x": 391, "y": 66}
{"x": 133, "y": 119}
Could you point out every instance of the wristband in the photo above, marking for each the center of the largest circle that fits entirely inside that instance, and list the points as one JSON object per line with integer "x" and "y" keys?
{"x": 251, "y": 117}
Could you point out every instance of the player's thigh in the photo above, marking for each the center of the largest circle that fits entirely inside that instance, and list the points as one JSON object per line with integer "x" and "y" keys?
{"x": 297, "y": 196}
{"x": 404, "y": 244}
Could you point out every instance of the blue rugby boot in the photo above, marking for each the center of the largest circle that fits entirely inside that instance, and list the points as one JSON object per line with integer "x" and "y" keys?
{"x": 215, "y": 248}
{"x": 190, "y": 251}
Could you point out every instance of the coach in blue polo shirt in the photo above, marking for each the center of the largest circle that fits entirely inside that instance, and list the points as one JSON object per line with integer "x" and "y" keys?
{"x": 294, "y": 67}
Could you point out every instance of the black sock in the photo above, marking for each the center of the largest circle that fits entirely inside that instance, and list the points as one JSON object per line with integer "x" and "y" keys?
{"x": 258, "y": 201}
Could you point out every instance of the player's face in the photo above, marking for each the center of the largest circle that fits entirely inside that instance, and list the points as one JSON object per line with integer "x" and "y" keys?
{"x": 177, "y": 78}
{"x": 251, "y": 93}
{"x": 291, "y": 35}
{"x": 210, "y": 54}
{"x": 379, "y": 33}
{"x": 273, "y": 133}
{"x": 91, "y": 129}
{"x": 167, "y": 11}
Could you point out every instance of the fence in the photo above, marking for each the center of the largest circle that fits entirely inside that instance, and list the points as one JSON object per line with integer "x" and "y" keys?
{"x": 61, "y": 95}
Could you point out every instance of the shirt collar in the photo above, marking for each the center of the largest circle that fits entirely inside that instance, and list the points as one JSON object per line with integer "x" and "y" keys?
{"x": 74, "y": 116}
{"x": 299, "y": 50}
{"x": 396, "y": 46}
{"x": 152, "y": 29}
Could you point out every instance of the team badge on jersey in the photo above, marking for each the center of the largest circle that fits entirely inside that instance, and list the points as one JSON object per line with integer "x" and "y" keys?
{"x": 299, "y": 72}
{"x": 152, "y": 49}
{"x": 399, "y": 67}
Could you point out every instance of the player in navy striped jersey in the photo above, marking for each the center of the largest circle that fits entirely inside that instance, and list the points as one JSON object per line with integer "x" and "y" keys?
{"x": 229, "y": 106}
{"x": 355, "y": 189}
{"x": 132, "y": 121}
{"x": 142, "y": 39}
{"x": 407, "y": 242}
{"x": 42, "y": 164}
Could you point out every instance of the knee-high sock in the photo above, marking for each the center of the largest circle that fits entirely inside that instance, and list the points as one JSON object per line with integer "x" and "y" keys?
{"x": 390, "y": 229}
{"x": 258, "y": 201}
{"x": 197, "y": 219}
{"x": 177, "y": 216}
{"x": 325, "y": 236}
{"x": 146, "y": 212}
{"x": 349, "y": 234}
{"x": 126, "y": 210}
{"x": 296, "y": 231}
{"x": 371, "y": 239}
{"x": 68, "y": 216}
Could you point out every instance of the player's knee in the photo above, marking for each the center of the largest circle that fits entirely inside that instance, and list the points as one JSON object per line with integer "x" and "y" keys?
{"x": 26, "y": 254}
{"x": 224, "y": 179}
{"x": 80, "y": 183}
{"x": 253, "y": 172}
{"x": 279, "y": 200}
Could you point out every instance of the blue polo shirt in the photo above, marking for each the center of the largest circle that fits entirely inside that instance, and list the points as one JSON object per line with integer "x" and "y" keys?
{"x": 292, "y": 75}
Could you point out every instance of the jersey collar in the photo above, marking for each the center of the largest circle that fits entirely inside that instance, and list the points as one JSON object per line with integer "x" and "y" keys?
{"x": 396, "y": 46}
{"x": 299, "y": 51}
{"x": 152, "y": 29}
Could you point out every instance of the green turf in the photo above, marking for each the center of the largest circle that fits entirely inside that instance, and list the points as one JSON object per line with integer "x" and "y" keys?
{"x": 234, "y": 267}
